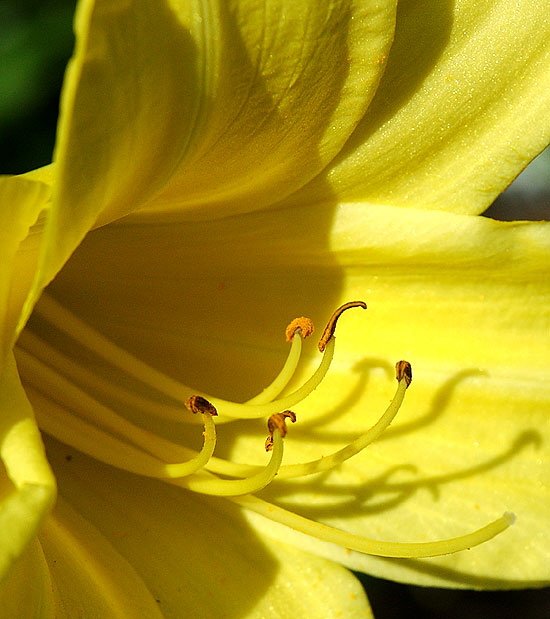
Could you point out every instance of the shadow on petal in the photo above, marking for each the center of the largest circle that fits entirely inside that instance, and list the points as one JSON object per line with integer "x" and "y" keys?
{"x": 381, "y": 494}
{"x": 190, "y": 552}
{"x": 187, "y": 553}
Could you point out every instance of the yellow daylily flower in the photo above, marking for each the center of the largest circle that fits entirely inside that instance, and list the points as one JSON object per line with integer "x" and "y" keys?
{"x": 220, "y": 169}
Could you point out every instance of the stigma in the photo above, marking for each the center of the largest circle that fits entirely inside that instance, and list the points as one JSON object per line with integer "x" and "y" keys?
{"x": 70, "y": 404}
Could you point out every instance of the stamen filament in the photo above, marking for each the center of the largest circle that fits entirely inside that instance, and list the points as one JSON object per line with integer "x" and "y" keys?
{"x": 402, "y": 550}
{"x": 87, "y": 336}
{"x": 256, "y": 411}
{"x": 66, "y": 427}
{"x": 284, "y": 376}
{"x": 72, "y": 397}
{"x": 184, "y": 469}
{"x": 327, "y": 463}
{"x": 78, "y": 373}
{"x": 209, "y": 484}
{"x": 100, "y": 432}
{"x": 78, "y": 401}
{"x": 232, "y": 469}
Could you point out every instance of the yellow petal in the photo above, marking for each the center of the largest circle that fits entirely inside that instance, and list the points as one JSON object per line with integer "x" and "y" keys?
{"x": 45, "y": 174}
{"x": 455, "y": 295}
{"x": 462, "y": 108}
{"x": 89, "y": 577}
{"x": 126, "y": 94}
{"x": 196, "y": 560}
{"x": 27, "y": 486}
{"x": 208, "y": 104}
{"x": 21, "y": 202}
{"x": 75, "y": 572}
{"x": 285, "y": 84}
{"x": 18, "y": 600}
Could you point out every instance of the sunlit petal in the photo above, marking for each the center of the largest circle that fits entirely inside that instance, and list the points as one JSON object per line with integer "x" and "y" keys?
{"x": 165, "y": 258}
{"x": 27, "y": 486}
{"x": 287, "y": 83}
{"x": 462, "y": 108}
{"x": 466, "y": 301}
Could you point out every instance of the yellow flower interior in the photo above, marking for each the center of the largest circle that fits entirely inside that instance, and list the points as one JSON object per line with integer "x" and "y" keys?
{"x": 61, "y": 388}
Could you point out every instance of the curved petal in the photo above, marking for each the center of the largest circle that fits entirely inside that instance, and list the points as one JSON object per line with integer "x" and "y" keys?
{"x": 45, "y": 174}
{"x": 194, "y": 560}
{"x": 127, "y": 92}
{"x": 232, "y": 105}
{"x": 27, "y": 486}
{"x": 462, "y": 108}
{"x": 88, "y": 576}
{"x": 286, "y": 84}
{"x": 21, "y": 203}
{"x": 458, "y": 296}
{"x": 19, "y": 600}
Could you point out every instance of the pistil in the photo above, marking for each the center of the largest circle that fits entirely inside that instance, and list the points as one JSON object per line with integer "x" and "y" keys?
{"x": 401, "y": 550}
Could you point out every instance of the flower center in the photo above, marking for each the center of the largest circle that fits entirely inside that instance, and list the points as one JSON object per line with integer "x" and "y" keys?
{"x": 72, "y": 404}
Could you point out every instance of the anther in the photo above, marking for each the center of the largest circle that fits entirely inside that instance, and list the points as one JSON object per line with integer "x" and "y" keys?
{"x": 328, "y": 333}
{"x": 198, "y": 404}
{"x": 403, "y": 370}
{"x": 278, "y": 422}
{"x": 303, "y": 325}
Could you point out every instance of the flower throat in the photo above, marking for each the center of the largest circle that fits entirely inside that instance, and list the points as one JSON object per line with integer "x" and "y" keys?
{"x": 69, "y": 400}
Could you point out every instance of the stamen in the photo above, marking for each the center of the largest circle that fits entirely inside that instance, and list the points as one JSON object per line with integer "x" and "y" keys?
{"x": 65, "y": 426}
{"x": 100, "y": 432}
{"x": 255, "y": 411}
{"x": 206, "y": 483}
{"x": 198, "y": 404}
{"x": 326, "y": 346}
{"x": 289, "y": 368}
{"x": 45, "y": 379}
{"x": 87, "y": 336}
{"x": 93, "y": 437}
{"x": 184, "y": 469}
{"x": 278, "y": 422}
{"x": 403, "y": 371}
{"x": 402, "y": 550}
{"x": 328, "y": 333}
{"x": 326, "y": 463}
{"x": 303, "y": 325}
{"x": 90, "y": 380}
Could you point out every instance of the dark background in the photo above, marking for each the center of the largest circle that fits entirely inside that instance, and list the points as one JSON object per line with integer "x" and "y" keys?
{"x": 36, "y": 42}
